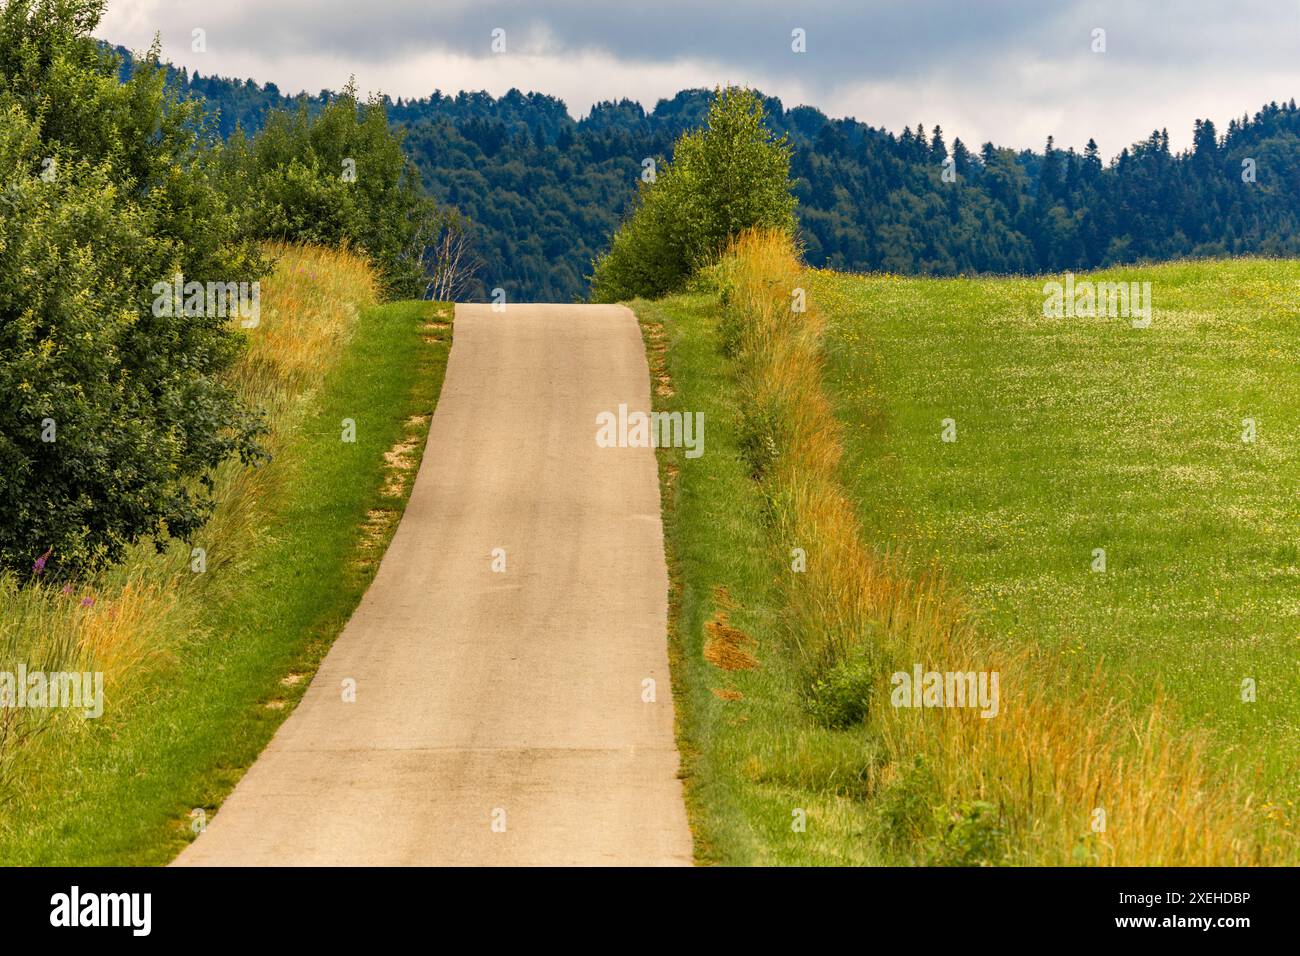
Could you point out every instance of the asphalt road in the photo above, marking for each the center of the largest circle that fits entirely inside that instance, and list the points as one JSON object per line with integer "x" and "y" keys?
{"x": 499, "y": 716}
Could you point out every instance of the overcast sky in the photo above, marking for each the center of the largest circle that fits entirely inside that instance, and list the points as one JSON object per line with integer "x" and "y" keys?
{"x": 1011, "y": 71}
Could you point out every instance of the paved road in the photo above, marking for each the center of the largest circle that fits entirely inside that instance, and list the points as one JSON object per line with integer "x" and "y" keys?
{"x": 488, "y": 698}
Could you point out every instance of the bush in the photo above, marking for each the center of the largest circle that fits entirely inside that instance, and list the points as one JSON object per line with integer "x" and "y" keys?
{"x": 839, "y": 697}
{"x": 113, "y": 417}
{"x": 973, "y": 833}
{"x": 337, "y": 179}
{"x": 727, "y": 177}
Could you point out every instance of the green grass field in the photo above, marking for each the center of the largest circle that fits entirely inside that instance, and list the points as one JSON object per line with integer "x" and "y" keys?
{"x": 237, "y": 646}
{"x": 1077, "y": 434}
{"x": 1072, "y": 435}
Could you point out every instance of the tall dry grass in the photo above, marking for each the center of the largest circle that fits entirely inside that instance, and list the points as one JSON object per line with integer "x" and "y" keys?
{"x": 1024, "y": 786}
{"x": 311, "y": 306}
{"x": 136, "y": 614}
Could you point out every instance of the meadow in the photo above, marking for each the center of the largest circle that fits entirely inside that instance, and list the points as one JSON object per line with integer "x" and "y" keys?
{"x": 205, "y": 647}
{"x": 1175, "y": 449}
{"x": 1127, "y": 733}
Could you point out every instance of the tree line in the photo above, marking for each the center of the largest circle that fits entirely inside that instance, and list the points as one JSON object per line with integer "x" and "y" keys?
{"x": 544, "y": 193}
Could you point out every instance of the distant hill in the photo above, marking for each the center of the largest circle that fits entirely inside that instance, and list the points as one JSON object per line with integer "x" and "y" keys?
{"x": 545, "y": 192}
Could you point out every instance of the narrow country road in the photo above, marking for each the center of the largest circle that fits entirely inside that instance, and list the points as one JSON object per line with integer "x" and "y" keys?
{"x": 498, "y": 715}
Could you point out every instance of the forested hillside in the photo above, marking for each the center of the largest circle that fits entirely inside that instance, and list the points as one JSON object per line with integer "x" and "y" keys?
{"x": 545, "y": 192}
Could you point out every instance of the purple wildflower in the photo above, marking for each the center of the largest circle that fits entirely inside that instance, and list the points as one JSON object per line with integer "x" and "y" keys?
{"x": 39, "y": 565}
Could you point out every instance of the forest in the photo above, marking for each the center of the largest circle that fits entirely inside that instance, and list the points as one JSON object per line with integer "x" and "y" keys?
{"x": 544, "y": 192}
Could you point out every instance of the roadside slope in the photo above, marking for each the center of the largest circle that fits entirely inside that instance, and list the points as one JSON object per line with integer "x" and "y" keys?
{"x": 486, "y": 698}
{"x": 200, "y": 669}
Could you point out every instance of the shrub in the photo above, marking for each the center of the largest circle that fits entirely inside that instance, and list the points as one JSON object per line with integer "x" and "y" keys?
{"x": 973, "y": 833}
{"x": 729, "y": 176}
{"x": 113, "y": 417}
{"x": 840, "y": 694}
{"x": 337, "y": 179}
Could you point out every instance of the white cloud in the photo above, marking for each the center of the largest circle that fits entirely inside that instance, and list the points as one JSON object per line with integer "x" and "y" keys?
{"x": 1014, "y": 73}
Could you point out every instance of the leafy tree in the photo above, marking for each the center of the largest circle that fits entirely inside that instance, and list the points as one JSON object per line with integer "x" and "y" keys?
{"x": 335, "y": 176}
{"x": 114, "y": 417}
{"x": 727, "y": 177}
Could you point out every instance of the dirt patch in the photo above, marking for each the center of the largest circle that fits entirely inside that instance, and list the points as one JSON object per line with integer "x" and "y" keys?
{"x": 728, "y": 647}
{"x": 657, "y": 348}
{"x": 670, "y": 474}
{"x": 399, "y": 472}
{"x": 377, "y": 522}
{"x": 436, "y": 328}
{"x": 399, "y": 456}
{"x": 400, "y": 462}
{"x": 724, "y": 693}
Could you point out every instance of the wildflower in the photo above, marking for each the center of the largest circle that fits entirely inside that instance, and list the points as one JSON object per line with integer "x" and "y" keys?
{"x": 39, "y": 565}
{"x": 87, "y": 601}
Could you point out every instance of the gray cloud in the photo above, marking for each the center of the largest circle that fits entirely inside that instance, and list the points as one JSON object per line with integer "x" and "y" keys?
{"x": 1013, "y": 71}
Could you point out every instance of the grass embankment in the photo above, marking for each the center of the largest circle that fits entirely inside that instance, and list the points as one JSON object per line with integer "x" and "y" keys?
{"x": 913, "y": 557}
{"x": 200, "y": 668}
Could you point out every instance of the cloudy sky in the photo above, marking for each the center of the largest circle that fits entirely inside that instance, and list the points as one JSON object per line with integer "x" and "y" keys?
{"x": 1013, "y": 71}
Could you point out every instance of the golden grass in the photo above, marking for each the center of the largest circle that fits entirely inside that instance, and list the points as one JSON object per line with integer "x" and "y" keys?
{"x": 311, "y": 303}
{"x": 727, "y": 647}
{"x": 1034, "y": 776}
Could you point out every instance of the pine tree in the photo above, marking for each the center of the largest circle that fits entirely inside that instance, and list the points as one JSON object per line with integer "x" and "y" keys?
{"x": 938, "y": 152}
{"x": 1049, "y": 176}
{"x": 1091, "y": 161}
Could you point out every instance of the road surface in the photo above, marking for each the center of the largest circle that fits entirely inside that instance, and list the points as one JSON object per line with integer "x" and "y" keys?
{"x": 499, "y": 716}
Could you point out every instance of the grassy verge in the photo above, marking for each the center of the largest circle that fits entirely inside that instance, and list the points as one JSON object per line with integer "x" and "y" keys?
{"x": 805, "y": 730}
{"x": 764, "y": 785}
{"x": 202, "y": 667}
